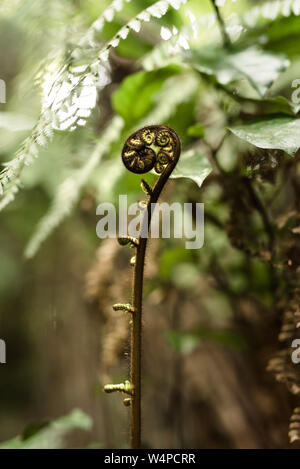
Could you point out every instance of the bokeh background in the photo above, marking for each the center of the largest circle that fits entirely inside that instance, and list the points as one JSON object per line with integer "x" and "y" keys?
{"x": 211, "y": 316}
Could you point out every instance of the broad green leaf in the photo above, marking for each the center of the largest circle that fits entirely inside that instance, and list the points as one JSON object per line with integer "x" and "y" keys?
{"x": 192, "y": 166}
{"x": 135, "y": 96}
{"x": 276, "y": 105}
{"x": 259, "y": 67}
{"x": 283, "y": 35}
{"x": 282, "y": 133}
{"x": 183, "y": 119}
{"x": 50, "y": 435}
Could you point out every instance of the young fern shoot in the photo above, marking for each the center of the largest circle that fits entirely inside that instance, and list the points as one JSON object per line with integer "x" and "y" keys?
{"x": 155, "y": 147}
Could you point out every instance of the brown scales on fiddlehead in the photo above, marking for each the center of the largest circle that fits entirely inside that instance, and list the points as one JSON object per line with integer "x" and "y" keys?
{"x": 154, "y": 147}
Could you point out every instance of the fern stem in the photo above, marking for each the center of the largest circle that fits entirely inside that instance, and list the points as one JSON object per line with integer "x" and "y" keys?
{"x": 137, "y": 300}
{"x": 136, "y": 330}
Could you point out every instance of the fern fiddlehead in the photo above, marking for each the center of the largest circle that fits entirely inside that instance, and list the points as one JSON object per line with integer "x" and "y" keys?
{"x": 155, "y": 147}
{"x": 148, "y": 148}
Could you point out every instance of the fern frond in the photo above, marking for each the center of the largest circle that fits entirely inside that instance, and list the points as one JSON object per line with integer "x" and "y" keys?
{"x": 108, "y": 15}
{"x": 70, "y": 91}
{"x": 69, "y": 191}
{"x": 174, "y": 92}
{"x": 9, "y": 195}
{"x": 11, "y": 172}
{"x": 271, "y": 11}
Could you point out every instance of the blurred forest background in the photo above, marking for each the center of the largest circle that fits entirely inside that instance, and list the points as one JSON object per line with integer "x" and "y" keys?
{"x": 218, "y": 321}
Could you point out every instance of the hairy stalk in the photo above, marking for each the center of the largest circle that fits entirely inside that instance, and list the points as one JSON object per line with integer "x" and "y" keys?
{"x": 226, "y": 39}
{"x": 153, "y": 147}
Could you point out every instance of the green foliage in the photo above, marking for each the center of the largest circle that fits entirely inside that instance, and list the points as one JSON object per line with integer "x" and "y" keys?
{"x": 276, "y": 105}
{"x": 140, "y": 88}
{"x": 258, "y": 67}
{"x": 281, "y": 25}
{"x": 70, "y": 89}
{"x": 99, "y": 72}
{"x": 277, "y": 133}
{"x": 192, "y": 166}
{"x": 50, "y": 435}
{"x": 69, "y": 191}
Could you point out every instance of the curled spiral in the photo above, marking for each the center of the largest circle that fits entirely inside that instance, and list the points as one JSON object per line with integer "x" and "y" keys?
{"x": 151, "y": 147}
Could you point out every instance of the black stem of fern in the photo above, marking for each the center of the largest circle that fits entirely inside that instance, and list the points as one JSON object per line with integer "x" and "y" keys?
{"x": 226, "y": 39}
{"x": 157, "y": 147}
